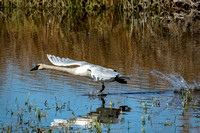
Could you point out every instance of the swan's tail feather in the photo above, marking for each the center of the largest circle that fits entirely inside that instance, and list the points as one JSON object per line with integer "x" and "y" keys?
{"x": 122, "y": 79}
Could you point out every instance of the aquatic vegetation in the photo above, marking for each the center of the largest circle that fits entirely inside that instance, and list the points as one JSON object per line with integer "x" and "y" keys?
{"x": 186, "y": 100}
{"x": 145, "y": 107}
{"x": 95, "y": 121}
{"x": 62, "y": 105}
{"x": 122, "y": 117}
{"x": 143, "y": 120}
{"x": 11, "y": 112}
{"x": 21, "y": 117}
{"x": 97, "y": 126}
{"x": 27, "y": 99}
{"x": 111, "y": 104}
{"x": 186, "y": 97}
{"x": 143, "y": 130}
{"x": 168, "y": 123}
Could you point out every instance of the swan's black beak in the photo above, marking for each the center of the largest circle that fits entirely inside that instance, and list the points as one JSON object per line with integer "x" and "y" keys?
{"x": 35, "y": 68}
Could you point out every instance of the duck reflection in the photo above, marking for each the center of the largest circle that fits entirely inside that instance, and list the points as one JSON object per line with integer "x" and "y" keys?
{"x": 102, "y": 115}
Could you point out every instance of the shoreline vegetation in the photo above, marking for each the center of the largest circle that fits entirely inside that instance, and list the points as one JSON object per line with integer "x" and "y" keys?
{"x": 74, "y": 13}
{"x": 40, "y": 30}
{"x": 37, "y": 31}
{"x": 178, "y": 9}
{"x": 121, "y": 5}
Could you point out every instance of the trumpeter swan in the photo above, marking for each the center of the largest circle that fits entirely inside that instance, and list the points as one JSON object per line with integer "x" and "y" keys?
{"x": 95, "y": 72}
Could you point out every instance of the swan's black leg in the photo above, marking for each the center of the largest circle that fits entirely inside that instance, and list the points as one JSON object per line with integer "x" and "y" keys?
{"x": 103, "y": 87}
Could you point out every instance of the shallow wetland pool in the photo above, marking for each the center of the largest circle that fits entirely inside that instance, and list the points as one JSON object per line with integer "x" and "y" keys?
{"x": 53, "y": 101}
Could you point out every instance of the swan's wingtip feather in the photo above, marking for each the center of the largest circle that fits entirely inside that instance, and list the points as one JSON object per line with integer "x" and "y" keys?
{"x": 48, "y": 55}
{"x": 52, "y": 59}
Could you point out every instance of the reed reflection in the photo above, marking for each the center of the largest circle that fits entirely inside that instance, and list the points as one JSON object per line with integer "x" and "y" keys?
{"x": 122, "y": 41}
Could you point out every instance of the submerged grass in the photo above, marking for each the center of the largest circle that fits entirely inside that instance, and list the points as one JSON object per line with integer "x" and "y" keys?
{"x": 168, "y": 123}
{"x": 28, "y": 121}
{"x": 24, "y": 120}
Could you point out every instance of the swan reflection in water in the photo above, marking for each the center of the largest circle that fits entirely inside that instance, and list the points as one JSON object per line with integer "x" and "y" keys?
{"x": 102, "y": 115}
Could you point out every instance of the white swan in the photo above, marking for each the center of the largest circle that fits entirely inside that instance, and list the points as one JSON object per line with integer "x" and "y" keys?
{"x": 95, "y": 72}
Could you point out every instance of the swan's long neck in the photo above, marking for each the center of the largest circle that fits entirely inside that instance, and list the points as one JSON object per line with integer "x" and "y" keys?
{"x": 64, "y": 69}
{"x": 75, "y": 71}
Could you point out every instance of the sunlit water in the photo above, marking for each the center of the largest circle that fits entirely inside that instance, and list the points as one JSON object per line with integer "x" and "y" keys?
{"x": 51, "y": 100}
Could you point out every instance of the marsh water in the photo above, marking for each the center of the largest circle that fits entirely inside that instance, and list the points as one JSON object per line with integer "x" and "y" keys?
{"x": 134, "y": 45}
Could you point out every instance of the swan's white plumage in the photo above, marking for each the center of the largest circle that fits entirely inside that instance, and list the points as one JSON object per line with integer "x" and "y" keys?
{"x": 98, "y": 73}
{"x": 95, "y": 72}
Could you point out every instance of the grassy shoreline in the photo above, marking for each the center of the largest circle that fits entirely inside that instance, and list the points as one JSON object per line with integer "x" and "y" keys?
{"x": 166, "y": 11}
{"x": 94, "y": 5}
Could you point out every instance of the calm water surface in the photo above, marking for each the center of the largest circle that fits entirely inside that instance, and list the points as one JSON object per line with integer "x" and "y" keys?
{"x": 132, "y": 46}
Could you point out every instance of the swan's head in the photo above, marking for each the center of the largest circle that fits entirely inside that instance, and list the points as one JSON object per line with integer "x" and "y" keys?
{"x": 38, "y": 67}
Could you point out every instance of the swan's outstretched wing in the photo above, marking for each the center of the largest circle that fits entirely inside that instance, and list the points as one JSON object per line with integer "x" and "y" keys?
{"x": 102, "y": 74}
{"x": 64, "y": 61}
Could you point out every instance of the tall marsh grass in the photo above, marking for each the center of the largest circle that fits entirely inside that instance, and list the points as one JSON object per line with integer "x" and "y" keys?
{"x": 86, "y": 5}
{"x": 155, "y": 7}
